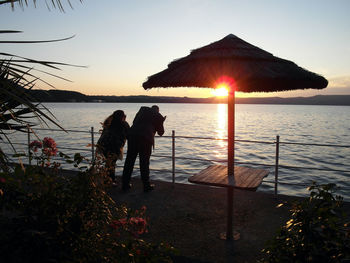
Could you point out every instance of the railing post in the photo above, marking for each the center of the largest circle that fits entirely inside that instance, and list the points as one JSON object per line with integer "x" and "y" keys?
{"x": 173, "y": 155}
{"x": 92, "y": 146}
{"x": 29, "y": 153}
{"x": 276, "y": 163}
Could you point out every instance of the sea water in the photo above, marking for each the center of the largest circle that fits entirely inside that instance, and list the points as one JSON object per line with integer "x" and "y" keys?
{"x": 256, "y": 128}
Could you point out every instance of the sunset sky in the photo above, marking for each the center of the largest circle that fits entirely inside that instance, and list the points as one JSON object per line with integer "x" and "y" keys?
{"x": 123, "y": 42}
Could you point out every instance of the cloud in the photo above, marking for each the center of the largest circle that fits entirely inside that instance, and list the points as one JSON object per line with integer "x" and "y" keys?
{"x": 337, "y": 86}
{"x": 339, "y": 82}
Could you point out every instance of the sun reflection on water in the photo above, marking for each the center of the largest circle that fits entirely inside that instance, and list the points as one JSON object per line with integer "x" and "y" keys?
{"x": 221, "y": 130}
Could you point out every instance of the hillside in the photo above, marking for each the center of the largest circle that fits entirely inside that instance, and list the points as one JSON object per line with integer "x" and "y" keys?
{"x": 73, "y": 96}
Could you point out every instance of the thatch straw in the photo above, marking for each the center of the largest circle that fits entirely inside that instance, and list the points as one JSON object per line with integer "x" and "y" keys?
{"x": 252, "y": 68}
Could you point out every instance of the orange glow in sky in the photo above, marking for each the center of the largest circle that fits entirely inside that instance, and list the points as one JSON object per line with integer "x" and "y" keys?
{"x": 223, "y": 85}
{"x": 220, "y": 91}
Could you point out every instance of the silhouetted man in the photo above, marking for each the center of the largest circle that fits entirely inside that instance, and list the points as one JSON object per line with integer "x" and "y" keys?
{"x": 146, "y": 123}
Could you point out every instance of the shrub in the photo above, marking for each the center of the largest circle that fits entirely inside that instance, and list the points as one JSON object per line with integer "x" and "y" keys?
{"x": 317, "y": 231}
{"x": 47, "y": 217}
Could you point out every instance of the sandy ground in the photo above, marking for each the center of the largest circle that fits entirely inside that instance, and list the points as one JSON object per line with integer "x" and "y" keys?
{"x": 192, "y": 217}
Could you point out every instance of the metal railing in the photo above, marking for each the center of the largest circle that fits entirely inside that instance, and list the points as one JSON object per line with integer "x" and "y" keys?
{"x": 173, "y": 157}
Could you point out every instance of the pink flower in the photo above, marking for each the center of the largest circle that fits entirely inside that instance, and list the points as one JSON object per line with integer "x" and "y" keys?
{"x": 35, "y": 145}
{"x": 49, "y": 143}
{"x": 50, "y": 146}
{"x": 50, "y": 151}
{"x": 123, "y": 221}
{"x": 2, "y": 180}
{"x": 116, "y": 224}
{"x": 139, "y": 225}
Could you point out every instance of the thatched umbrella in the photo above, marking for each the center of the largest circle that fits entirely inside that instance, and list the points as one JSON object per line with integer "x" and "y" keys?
{"x": 242, "y": 67}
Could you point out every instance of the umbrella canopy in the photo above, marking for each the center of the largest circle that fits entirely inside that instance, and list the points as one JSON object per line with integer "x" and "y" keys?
{"x": 251, "y": 68}
{"x": 242, "y": 67}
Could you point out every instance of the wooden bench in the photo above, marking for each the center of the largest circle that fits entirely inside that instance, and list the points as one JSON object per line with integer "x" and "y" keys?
{"x": 216, "y": 175}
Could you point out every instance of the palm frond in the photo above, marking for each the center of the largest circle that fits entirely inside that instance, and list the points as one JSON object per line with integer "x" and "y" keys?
{"x": 18, "y": 110}
{"x": 10, "y": 31}
{"x": 34, "y": 41}
{"x": 55, "y": 4}
{"x": 35, "y": 61}
{"x": 17, "y": 96}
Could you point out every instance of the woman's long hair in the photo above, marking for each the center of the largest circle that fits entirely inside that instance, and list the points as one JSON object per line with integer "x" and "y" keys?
{"x": 116, "y": 122}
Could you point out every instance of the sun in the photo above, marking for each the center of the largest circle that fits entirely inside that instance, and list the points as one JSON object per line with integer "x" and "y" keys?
{"x": 220, "y": 91}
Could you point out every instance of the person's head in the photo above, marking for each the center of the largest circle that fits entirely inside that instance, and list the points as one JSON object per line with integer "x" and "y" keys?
{"x": 119, "y": 115}
{"x": 155, "y": 108}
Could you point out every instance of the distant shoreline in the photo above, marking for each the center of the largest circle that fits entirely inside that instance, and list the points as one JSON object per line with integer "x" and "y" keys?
{"x": 74, "y": 97}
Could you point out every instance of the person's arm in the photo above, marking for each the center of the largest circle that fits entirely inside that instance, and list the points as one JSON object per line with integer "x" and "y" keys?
{"x": 160, "y": 126}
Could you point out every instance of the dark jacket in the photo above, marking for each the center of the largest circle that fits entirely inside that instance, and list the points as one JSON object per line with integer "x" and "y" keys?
{"x": 146, "y": 123}
{"x": 113, "y": 138}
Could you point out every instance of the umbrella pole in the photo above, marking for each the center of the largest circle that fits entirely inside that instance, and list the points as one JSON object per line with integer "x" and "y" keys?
{"x": 230, "y": 161}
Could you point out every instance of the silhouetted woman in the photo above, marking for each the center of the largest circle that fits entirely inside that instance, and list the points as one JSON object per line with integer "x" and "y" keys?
{"x": 112, "y": 140}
